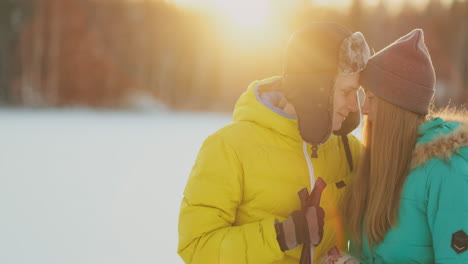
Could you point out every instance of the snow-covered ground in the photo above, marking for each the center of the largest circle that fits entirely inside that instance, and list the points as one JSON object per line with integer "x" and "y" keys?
{"x": 80, "y": 186}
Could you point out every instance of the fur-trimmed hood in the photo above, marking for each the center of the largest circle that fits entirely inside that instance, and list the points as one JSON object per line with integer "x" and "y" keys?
{"x": 447, "y": 133}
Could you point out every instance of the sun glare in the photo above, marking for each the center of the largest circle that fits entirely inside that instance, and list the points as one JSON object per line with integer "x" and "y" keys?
{"x": 254, "y": 13}
{"x": 246, "y": 13}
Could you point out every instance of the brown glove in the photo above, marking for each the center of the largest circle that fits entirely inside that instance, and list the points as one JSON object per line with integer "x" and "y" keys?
{"x": 304, "y": 226}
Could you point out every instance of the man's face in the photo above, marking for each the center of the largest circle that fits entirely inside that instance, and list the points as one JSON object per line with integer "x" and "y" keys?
{"x": 345, "y": 98}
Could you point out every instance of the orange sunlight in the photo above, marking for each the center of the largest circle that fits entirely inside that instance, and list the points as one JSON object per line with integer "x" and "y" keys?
{"x": 241, "y": 18}
{"x": 244, "y": 13}
{"x": 253, "y": 13}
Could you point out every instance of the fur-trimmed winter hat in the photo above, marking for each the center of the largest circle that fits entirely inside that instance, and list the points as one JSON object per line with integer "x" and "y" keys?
{"x": 402, "y": 73}
{"x": 315, "y": 55}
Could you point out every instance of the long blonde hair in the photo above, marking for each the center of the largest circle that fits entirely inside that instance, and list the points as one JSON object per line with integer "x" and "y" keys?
{"x": 372, "y": 201}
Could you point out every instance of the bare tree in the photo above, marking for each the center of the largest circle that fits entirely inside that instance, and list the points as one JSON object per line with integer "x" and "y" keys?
{"x": 53, "y": 73}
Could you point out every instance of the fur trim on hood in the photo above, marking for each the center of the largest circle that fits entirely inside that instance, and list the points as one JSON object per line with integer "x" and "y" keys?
{"x": 444, "y": 145}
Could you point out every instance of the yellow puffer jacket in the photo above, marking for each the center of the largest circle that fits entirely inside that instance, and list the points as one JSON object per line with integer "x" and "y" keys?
{"x": 246, "y": 176}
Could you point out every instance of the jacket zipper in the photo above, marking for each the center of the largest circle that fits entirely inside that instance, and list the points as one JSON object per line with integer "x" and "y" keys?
{"x": 312, "y": 184}
{"x": 309, "y": 165}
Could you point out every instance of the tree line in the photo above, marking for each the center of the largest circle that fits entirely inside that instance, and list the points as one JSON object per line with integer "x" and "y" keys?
{"x": 59, "y": 53}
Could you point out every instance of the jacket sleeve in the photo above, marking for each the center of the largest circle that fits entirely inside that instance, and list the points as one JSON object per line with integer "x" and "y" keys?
{"x": 447, "y": 211}
{"x": 208, "y": 212}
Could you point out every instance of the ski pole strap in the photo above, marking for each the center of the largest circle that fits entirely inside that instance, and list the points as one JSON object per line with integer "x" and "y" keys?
{"x": 305, "y": 255}
{"x": 306, "y": 201}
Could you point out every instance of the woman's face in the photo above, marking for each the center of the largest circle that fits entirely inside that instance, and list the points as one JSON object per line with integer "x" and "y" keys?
{"x": 369, "y": 106}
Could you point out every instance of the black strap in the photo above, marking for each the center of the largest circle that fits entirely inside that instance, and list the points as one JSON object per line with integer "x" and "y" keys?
{"x": 349, "y": 157}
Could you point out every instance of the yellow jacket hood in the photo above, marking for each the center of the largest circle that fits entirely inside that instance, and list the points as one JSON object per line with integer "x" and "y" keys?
{"x": 251, "y": 107}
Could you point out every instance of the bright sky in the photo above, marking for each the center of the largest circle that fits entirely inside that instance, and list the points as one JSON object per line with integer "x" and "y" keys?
{"x": 244, "y": 13}
{"x": 251, "y": 13}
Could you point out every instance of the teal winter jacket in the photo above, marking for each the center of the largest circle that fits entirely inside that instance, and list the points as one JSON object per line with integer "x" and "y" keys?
{"x": 433, "y": 215}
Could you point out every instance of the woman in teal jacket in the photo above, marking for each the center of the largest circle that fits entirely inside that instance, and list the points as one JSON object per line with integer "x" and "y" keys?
{"x": 409, "y": 200}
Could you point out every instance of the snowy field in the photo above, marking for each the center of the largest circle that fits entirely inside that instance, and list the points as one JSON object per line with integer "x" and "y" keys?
{"x": 80, "y": 186}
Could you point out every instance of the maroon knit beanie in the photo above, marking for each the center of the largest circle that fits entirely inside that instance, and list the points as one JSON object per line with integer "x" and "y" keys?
{"x": 402, "y": 73}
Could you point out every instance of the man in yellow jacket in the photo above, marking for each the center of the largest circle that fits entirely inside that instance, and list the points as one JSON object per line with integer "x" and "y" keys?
{"x": 241, "y": 201}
